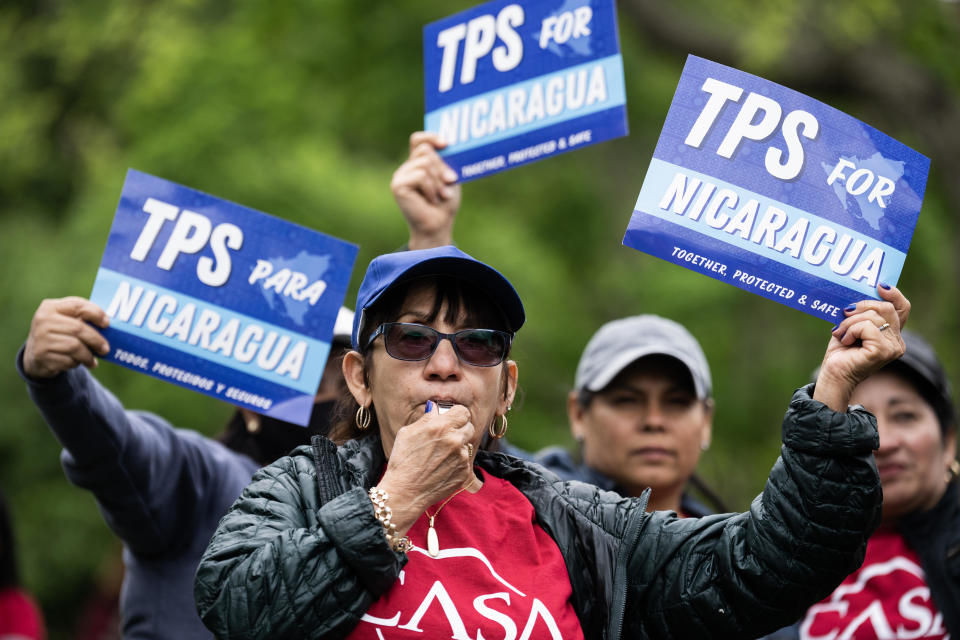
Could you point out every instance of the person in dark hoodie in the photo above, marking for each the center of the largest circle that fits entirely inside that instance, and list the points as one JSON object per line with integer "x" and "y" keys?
{"x": 161, "y": 489}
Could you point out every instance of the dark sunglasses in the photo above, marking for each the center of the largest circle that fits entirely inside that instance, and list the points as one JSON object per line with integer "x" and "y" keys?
{"x": 410, "y": 341}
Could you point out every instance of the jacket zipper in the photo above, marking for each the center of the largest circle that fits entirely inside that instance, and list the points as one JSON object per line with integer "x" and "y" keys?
{"x": 324, "y": 454}
{"x": 620, "y": 573}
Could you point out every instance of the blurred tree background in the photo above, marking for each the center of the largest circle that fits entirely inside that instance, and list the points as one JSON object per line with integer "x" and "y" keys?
{"x": 302, "y": 109}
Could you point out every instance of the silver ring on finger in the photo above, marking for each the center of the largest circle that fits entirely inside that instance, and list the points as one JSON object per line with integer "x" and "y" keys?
{"x": 885, "y": 325}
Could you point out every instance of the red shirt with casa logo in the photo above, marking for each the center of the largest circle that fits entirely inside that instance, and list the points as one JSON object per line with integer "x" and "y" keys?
{"x": 887, "y": 598}
{"x": 498, "y": 575}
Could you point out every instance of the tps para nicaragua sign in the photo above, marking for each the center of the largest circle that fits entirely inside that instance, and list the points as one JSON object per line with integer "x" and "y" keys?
{"x": 757, "y": 185}
{"x": 509, "y": 83}
{"x": 219, "y": 298}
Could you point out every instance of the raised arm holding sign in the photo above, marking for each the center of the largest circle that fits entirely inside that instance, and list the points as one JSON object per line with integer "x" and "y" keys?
{"x": 161, "y": 489}
{"x": 427, "y": 193}
{"x": 362, "y": 539}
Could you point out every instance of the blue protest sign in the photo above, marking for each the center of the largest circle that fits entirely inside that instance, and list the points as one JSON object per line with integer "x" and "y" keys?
{"x": 219, "y": 298}
{"x": 509, "y": 83}
{"x": 763, "y": 187}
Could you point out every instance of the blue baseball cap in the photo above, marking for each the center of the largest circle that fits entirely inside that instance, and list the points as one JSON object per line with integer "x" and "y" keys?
{"x": 391, "y": 269}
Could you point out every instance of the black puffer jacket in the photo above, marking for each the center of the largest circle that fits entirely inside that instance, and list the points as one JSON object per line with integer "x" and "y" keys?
{"x": 300, "y": 554}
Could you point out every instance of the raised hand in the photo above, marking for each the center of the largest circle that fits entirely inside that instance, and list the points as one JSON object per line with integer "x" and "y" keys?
{"x": 866, "y": 340}
{"x": 427, "y": 192}
{"x": 61, "y": 337}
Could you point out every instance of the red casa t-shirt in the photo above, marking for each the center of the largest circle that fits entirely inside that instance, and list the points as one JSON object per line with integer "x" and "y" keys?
{"x": 887, "y": 597}
{"x": 498, "y": 575}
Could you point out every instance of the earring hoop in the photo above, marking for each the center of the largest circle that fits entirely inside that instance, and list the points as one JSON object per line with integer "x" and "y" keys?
{"x": 953, "y": 469}
{"x": 498, "y": 431}
{"x": 363, "y": 418}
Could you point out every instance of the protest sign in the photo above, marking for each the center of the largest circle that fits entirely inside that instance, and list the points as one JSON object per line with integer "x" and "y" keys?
{"x": 219, "y": 298}
{"x": 763, "y": 187}
{"x": 506, "y": 83}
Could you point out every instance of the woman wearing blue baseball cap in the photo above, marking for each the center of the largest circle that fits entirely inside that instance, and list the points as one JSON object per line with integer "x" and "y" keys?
{"x": 406, "y": 528}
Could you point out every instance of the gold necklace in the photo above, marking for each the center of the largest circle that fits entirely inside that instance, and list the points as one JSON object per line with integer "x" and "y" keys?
{"x": 433, "y": 544}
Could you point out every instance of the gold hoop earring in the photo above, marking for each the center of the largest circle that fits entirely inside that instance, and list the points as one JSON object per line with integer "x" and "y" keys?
{"x": 498, "y": 432}
{"x": 363, "y": 418}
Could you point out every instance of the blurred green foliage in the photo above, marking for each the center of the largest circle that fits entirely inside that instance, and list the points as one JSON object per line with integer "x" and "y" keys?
{"x": 302, "y": 109}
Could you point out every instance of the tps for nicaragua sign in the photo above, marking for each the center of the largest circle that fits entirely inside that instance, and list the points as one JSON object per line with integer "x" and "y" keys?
{"x": 762, "y": 187}
{"x": 219, "y": 298}
{"x": 509, "y": 83}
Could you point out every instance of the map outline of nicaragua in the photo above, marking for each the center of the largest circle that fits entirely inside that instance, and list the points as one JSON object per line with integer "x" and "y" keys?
{"x": 871, "y": 212}
{"x": 295, "y": 308}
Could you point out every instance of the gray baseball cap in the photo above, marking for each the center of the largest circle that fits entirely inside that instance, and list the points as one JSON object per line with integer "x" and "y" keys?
{"x": 619, "y": 343}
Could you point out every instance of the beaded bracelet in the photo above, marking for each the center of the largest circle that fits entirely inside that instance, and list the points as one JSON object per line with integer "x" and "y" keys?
{"x": 383, "y": 514}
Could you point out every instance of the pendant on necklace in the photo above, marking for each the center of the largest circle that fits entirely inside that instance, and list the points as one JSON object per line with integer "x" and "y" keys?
{"x": 433, "y": 544}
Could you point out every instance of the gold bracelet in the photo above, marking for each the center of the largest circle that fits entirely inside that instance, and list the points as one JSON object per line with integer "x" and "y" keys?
{"x": 383, "y": 514}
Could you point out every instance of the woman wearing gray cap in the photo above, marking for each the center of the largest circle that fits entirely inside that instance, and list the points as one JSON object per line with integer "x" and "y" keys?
{"x": 642, "y": 412}
{"x": 406, "y": 529}
{"x": 909, "y": 584}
